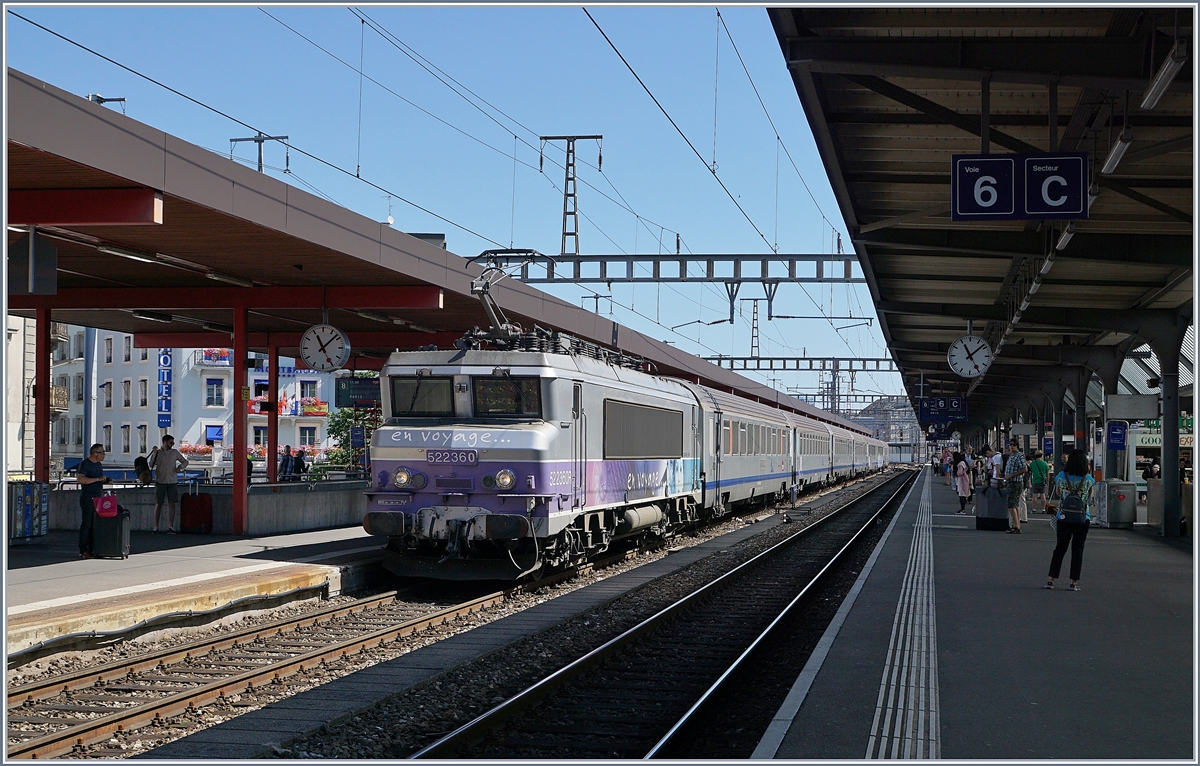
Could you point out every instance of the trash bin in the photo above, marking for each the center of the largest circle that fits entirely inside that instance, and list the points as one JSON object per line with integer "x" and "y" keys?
{"x": 1122, "y": 504}
{"x": 991, "y": 509}
{"x": 1154, "y": 503}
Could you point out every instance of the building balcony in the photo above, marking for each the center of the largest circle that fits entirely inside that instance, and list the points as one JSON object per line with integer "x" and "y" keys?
{"x": 60, "y": 398}
{"x": 58, "y": 332}
{"x": 212, "y": 357}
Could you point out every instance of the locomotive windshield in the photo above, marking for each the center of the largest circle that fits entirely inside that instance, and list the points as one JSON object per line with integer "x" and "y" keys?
{"x": 422, "y": 397}
{"x": 506, "y": 396}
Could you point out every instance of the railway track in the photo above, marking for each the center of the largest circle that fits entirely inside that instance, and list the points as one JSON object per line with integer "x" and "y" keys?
{"x": 54, "y": 715}
{"x": 633, "y": 696}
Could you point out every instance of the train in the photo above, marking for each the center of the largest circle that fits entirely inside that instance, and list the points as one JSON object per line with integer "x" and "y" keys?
{"x": 511, "y": 463}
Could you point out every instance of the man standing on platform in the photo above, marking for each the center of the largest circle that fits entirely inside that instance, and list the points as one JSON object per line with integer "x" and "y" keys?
{"x": 1014, "y": 477}
{"x": 91, "y": 479}
{"x": 166, "y": 463}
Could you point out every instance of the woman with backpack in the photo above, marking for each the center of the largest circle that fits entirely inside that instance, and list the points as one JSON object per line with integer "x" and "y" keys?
{"x": 1074, "y": 488}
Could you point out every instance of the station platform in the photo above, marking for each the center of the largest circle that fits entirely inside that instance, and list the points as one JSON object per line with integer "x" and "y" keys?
{"x": 52, "y": 593}
{"x": 949, "y": 647}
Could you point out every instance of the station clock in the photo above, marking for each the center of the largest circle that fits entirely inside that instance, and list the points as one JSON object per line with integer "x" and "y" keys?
{"x": 969, "y": 356}
{"x": 324, "y": 348}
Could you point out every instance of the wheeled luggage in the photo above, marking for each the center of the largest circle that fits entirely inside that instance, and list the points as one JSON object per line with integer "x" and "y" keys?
{"x": 195, "y": 513}
{"x": 110, "y": 535}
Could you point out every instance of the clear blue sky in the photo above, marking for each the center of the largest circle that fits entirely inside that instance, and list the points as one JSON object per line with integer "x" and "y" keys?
{"x": 547, "y": 69}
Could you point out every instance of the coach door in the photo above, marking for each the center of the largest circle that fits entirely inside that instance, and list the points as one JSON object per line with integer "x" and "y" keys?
{"x": 578, "y": 447}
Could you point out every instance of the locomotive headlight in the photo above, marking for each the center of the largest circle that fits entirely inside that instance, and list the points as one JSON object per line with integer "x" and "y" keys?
{"x": 403, "y": 477}
{"x": 505, "y": 479}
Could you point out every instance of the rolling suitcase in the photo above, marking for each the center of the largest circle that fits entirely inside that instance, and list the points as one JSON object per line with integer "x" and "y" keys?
{"x": 110, "y": 535}
{"x": 195, "y": 512}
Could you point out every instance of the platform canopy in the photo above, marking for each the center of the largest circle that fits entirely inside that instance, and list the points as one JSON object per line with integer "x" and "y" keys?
{"x": 891, "y": 94}
{"x": 166, "y": 240}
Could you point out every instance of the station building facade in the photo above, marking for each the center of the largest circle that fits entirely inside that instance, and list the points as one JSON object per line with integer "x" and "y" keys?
{"x": 126, "y": 398}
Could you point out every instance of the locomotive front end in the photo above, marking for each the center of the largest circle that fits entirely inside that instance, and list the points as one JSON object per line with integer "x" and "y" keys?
{"x": 465, "y": 471}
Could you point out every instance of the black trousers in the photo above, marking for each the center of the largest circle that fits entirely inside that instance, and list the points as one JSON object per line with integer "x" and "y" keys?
{"x": 1073, "y": 535}
{"x": 88, "y": 509}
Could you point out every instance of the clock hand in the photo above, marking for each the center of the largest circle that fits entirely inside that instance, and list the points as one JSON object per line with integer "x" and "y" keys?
{"x": 323, "y": 345}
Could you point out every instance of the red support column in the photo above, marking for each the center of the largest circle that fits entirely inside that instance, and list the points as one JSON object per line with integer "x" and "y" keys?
{"x": 241, "y": 478}
{"x": 41, "y": 397}
{"x": 273, "y": 414}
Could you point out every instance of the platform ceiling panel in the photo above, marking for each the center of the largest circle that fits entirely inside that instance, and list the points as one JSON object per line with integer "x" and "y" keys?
{"x": 890, "y": 94}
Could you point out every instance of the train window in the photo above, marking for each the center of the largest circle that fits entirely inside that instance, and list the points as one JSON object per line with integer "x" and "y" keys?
{"x": 634, "y": 431}
{"x": 741, "y": 448}
{"x": 728, "y": 428}
{"x": 508, "y": 396}
{"x": 422, "y": 396}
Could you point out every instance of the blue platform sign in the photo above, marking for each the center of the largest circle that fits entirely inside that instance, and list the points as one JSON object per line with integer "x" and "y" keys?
{"x": 358, "y": 436}
{"x": 942, "y": 409}
{"x": 991, "y": 187}
{"x": 1048, "y": 445}
{"x": 1115, "y": 436}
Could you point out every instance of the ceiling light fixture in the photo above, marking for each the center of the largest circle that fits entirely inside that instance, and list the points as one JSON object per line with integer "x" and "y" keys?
{"x": 414, "y": 326}
{"x": 373, "y": 316}
{"x": 1062, "y": 243}
{"x": 132, "y": 255}
{"x": 1166, "y": 73}
{"x": 152, "y": 316}
{"x": 229, "y": 279}
{"x": 217, "y": 327}
{"x": 1119, "y": 147}
{"x": 1093, "y": 193}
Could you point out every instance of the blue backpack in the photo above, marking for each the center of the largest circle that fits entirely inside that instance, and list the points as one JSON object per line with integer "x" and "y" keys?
{"x": 1072, "y": 507}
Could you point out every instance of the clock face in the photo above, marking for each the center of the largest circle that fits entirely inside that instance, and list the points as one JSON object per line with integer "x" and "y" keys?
{"x": 969, "y": 356}
{"x": 324, "y": 348}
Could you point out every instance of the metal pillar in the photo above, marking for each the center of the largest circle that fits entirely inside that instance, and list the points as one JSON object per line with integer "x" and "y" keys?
{"x": 241, "y": 478}
{"x": 1060, "y": 416}
{"x": 41, "y": 396}
{"x": 1081, "y": 423}
{"x": 1040, "y": 414}
{"x": 273, "y": 411}
{"x": 1168, "y": 365}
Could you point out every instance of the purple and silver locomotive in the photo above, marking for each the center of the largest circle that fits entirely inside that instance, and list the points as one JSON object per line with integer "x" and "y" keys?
{"x": 498, "y": 464}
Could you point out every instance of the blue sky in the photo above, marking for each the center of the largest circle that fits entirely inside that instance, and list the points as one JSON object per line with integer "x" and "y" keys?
{"x": 551, "y": 72}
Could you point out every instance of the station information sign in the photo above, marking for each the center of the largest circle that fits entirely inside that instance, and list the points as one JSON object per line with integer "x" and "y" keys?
{"x": 1048, "y": 445}
{"x": 990, "y": 187}
{"x": 1115, "y": 437}
{"x": 942, "y": 409}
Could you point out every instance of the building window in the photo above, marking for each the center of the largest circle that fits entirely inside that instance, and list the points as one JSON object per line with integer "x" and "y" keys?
{"x": 308, "y": 436}
{"x": 127, "y": 348}
{"x": 143, "y": 392}
{"x": 126, "y": 393}
{"x": 61, "y": 426}
{"x": 107, "y": 440}
{"x": 260, "y": 435}
{"x": 214, "y": 392}
{"x": 142, "y": 431}
{"x": 108, "y": 350}
{"x": 77, "y": 432}
{"x": 78, "y": 345}
{"x": 108, "y": 394}
{"x": 79, "y": 388}
{"x": 145, "y": 354}
{"x": 63, "y": 381}
{"x": 125, "y": 439}
{"x": 308, "y": 388}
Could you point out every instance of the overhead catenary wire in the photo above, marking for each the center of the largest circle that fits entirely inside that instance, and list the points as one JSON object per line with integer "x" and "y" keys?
{"x": 678, "y": 129}
{"x": 248, "y": 126}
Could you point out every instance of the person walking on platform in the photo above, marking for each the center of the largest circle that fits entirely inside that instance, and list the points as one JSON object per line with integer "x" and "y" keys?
{"x": 1015, "y": 469}
{"x": 1074, "y": 487}
{"x": 1038, "y": 473}
{"x": 962, "y": 481}
{"x": 91, "y": 479}
{"x": 298, "y": 464}
{"x": 285, "y": 464}
{"x": 947, "y": 464}
{"x": 166, "y": 463}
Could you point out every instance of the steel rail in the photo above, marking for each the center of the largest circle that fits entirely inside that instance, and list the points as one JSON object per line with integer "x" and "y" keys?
{"x": 94, "y": 730}
{"x": 473, "y": 731}
{"x": 817, "y": 578}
